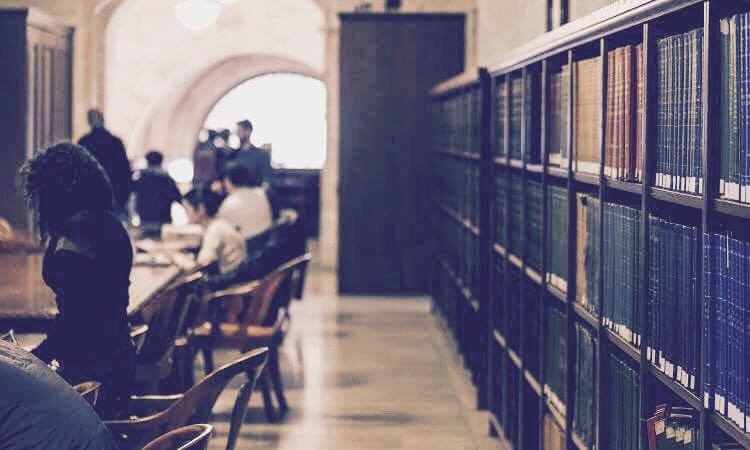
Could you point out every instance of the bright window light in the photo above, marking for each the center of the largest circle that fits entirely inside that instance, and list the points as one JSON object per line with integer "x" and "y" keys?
{"x": 181, "y": 170}
{"x": 197, "y": 15}
{"x": 288, "y": 111}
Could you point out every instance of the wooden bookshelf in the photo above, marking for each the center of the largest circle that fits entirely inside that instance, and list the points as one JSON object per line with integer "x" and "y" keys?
{"x": 633, "y": 22}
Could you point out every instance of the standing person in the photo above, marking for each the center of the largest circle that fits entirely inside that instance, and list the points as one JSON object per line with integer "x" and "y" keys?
{"x": 87, "y": 265}
{"x": 247, "y": 206}
{"x": 155, "y": 191}
{"x": 109, "y": 150}
{"x": 257, "y": 160}
{"x": 204, "y": 161}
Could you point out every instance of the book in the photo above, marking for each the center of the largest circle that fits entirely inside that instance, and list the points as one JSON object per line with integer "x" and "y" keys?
{"x": 554, "y": 436}
{"x": 623, "y": 413}
{"x": 517, "y": 96}
{"x": 679, "y": 104}
{"x": 555, "y": 364}
{"x": 555, "y": 130}
{"x": 533, "y": 227}
{"x": 500, "y": 104}
{"x": 586, "y": 103}
{"x": 588, "y": 238}
{"x": 557, "y": 237}
{"x": 585, "y": 413}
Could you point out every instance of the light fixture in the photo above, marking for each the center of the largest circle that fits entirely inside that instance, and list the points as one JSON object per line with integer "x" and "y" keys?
{"x": 197, "y": 15}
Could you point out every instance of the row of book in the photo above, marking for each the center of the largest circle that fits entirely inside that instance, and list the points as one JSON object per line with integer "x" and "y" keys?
{"x": 557, "y": 128}
{"x": 678, "y": 112}
{"x": 623, "y": 126}
{"x": 623, "y": 414}
{"x": 622, "y": 274}
{"x": 726, "y": 378}
{"x": 555, "y": 358}
{"x": 460, "y": 250}
{"x": 672, "y": 428}
{"x": 532, "y": 327}
{"x": 586, "y": 112}
{"x": 557, "y": 237}
{"x": 735, "y": 107}
{"x": 588, "y": 238}
{"x": 585, "y": 405}
{"x": 673, "y": 300}
{"x": 515, "y": 225}
{"x": 457, "y": 187}
{"x": 499, "y": 211}
{"x": 457, "y": 121}
{"x": 532, "y": 255}
{"x": 523, "y": 106}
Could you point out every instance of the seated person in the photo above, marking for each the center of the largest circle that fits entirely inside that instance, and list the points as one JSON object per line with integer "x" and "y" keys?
{"x": 247, "y": 205}
{"x": 87, "y": 265}
{"x": 223, "y": 248}
{"x": 40, "y": 410}
{"x": 155, "y": 191}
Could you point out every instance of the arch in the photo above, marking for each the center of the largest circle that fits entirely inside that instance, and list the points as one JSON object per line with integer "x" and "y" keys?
{"x": 186, "y": 107}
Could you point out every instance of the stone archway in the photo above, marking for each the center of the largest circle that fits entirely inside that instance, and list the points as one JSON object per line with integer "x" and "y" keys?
{"x": 172, "y": 123}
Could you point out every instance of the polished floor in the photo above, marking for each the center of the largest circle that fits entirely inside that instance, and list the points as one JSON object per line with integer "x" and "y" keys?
{"x": 363, "y": 373}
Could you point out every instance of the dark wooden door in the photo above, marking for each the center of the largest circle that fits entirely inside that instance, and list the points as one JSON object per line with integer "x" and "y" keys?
{"x": 388, "y": 65}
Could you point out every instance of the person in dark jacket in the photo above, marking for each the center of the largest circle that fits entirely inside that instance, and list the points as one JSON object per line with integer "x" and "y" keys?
{"x": 155, "y": 191}
{"x": 40, "y": 410}
{"x": 110, "y": 152}
{"x": 257, "y": 160}
{"x": 87, "y": 265}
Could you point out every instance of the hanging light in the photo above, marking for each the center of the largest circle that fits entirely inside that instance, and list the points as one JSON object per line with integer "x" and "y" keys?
{"x": 197, "y": 15}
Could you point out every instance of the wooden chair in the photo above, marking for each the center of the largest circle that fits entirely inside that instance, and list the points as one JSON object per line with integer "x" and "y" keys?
{"x": 89, "y": 390}
{"x": 190, "y": 437}
{"x": 264, "y": 324}
{"x": 164, "y": 318}
{"x": 160, "y": 414}
{"x": 138, "y": 334}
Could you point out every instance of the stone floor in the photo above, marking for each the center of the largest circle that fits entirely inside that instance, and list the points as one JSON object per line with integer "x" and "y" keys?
{"x": 363, "y": 373}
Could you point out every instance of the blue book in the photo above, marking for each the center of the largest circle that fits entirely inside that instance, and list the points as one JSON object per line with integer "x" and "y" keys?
{"x": 743, "y": 98}
{"x": 707, "y": 302}
{"x": 722, "y": 254}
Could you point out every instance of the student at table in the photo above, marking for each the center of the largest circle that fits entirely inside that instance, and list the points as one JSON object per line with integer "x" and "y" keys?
{"x": 87, "y": 264}
{"x": 247, "y": 205}
{"x": 40, "y": 410}
{"x": 223, "y": 246}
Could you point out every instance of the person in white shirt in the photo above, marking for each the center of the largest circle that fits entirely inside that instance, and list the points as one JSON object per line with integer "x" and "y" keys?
{"x": 222, "y": 242}
{"x": 247, "y": 205}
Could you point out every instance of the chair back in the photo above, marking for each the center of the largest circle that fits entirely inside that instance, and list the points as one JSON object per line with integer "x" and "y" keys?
{"x": 164, "y": 317}
{"x": 89, "y": 390}
{"x": 197, "y": 403}
{"x": 192, "y": 437}
{"x": 138, "y": 334}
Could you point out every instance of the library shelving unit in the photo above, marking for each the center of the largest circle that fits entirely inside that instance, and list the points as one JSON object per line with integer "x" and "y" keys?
{"x": 574, "y": 261}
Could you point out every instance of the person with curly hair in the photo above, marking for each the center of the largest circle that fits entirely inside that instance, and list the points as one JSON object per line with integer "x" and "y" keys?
{"x": 87, "y": 265}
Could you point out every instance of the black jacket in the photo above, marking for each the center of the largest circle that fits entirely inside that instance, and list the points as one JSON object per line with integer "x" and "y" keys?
{"x": 155, "y": 191}
{"x": 110, "y": 152}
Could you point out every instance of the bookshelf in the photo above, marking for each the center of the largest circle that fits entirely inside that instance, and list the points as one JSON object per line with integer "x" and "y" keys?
{"x": 521, "y": 275}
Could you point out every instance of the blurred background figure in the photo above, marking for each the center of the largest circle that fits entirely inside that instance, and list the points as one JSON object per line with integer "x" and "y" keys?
{"x": 155, "y": 191}
{"x": 205, "y": 161}
{"x": 109, "y": 150}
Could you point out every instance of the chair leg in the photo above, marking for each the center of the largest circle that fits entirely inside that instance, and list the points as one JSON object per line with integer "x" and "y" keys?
{"x": 238, "y": 413}
{"x": 208, "y": 359}
{"x": 274, "y": 372}
{"x": 267, "y": 399}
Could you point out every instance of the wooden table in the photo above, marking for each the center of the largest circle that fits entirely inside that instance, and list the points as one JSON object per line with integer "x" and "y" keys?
{"x": 27, "y": 304}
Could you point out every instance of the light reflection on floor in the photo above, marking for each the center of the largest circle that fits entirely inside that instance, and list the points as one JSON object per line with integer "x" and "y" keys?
{"x": 363, "y": 373}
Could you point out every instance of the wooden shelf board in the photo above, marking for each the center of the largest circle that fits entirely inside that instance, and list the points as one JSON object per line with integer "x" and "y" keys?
{"x": 624, "y": 186}
{"x": 557, "y": 415}
{"x": 623, "y": 345}
{"x": 499, "y": 249}
{"x": 515, "y": 163}
{"x": 557, "y": 293}
{"x": 501, "y": 161}
{"x": 534, "y": 275}
{"x": 499, "y": 339}
{"x": 515, "y": 260}
{"x": 558, "y": 172}
{"x": 732, "y": 208}
{"x": 495, "y": 423}
{"x": 460, "y": 155}
{"x": 730, "y": 428}
{"x": 514, "y": 358}
{"x": 586, "y": 178}
{"x": 584, "y": 315}
{"x": 578, "y": 442}
{"x": 535, "y": 386}
{"x": 685, "y": 394}
{"x": 677, "y": 198}
{"x": 535, "y": 168}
